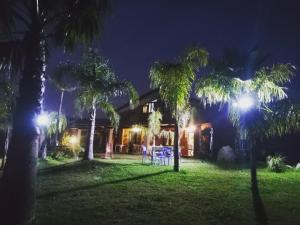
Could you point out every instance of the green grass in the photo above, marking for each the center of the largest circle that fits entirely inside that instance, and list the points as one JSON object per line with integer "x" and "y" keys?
{"x": 123, "y": 191}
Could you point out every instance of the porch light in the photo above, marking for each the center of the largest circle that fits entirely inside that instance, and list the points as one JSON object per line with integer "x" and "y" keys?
{"x": 42, "y": 120}
{"x": 73, "y": 140}
{"x": 136, "y": 129}
{"x": 191, "y": 128}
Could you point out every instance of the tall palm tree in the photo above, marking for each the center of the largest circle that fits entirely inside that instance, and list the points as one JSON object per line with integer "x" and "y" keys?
{"x": 7, "y": 98}
{"x": 174, "y": 81}
{"x": 64, "y": 82}
{"x": 97, "y": 86}
{"x": 33, "y": 24}
{"x": 264, "y": 92}
{"x": 235, "y": 63}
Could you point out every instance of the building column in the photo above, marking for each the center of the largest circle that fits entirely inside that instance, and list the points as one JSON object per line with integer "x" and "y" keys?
{"x": 109, "y": 143}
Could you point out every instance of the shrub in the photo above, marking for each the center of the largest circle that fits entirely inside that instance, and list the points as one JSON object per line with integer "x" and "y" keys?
{"x": 276, "y": 163}
{"x": 298, "y": 166}
{"x": 67, "y": 148}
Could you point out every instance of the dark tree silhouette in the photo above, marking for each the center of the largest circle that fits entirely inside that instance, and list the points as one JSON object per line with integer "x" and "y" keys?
{"x": 32, "y": 24}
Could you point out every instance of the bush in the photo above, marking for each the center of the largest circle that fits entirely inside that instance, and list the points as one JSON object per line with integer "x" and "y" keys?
{"x": 67, "y": 148}
{"x": 298, "y": 166}
{"x": 276, "y": 163}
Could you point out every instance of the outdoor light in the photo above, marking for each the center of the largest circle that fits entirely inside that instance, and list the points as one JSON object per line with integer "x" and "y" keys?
{"x": 191, "y": 128}
{"x": 42, "y": 119}
{"x": 136, "y": 129}
{"x": 244, "y": 103}
{"x": 73, "y": 140}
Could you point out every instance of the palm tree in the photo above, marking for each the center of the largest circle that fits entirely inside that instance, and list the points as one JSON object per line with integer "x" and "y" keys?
{"x": 97, "y": 86}
{"x": 154, "y": 123}
{"x": 49, "y": 131}
{"x": 174, "y": 81}
{"x": 7, "y": 98}
{"x": 33, "y": 24}
{"x": 235, "y": 63}
{"x": 261, "y": 116}
{"x": 65, "y": 83}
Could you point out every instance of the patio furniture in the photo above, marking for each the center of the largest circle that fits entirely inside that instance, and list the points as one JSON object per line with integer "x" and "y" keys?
{"x": 161, "y": 154}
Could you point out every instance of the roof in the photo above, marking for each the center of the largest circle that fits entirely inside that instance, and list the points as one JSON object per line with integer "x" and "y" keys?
{"x": 143, "y": 99}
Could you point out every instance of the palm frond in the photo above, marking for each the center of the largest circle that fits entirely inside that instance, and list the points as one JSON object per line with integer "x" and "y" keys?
{"x": 81, "y": 23}
{"x": 214, "y": 89}
{"x": 52, "y": 127}
{"x": 111, "y": 112}
{"x": 154, "y": 123}
{"x": 65, "y": 77}
{"x": 282, "y": 118}
{"x": 12, "y": 57}
{"x": 195, "y": 58}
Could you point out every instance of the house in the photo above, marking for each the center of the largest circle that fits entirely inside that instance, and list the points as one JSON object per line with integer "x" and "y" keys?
{"x": 197, "y": 139}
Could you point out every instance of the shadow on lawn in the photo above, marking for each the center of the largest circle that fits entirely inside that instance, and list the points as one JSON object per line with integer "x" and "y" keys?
{"x": 77, "y": 166}
{"x": 54, "y": 193}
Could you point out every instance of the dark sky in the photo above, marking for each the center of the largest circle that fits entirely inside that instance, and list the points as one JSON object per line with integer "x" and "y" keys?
{"x": 139, "y": 32}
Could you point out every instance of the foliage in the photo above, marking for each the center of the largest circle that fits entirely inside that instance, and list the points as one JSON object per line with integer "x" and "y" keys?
{"x": 276, "y": 163}
{"x": 154, "y": 123}
{"x": 281, "y": 119}
{"x": 267, "y": 90}
{"x": 97, "y": 85}
{"x": 67, "y": 148}
{"x": 51, "y": 128}
{"x": 63, "y": 79}
{"x": 6, "y": 104}
{"x": 174, "y": 80}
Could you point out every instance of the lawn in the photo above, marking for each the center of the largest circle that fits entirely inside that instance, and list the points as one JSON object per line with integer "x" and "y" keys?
{"x": 123, "y": 191}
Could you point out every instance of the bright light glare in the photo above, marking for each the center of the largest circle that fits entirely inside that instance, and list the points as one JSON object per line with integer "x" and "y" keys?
{"x": 191, "y": 128}
{"x": 244, "y": 103}
{"x": 42, "y": 120}
{"x": 136, "y": 129}
{"x": 73, "y": 140}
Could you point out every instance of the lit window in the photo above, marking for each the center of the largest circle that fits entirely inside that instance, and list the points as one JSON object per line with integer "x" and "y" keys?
{"x": 145, "y": 108}
{"x": 151, "y": 107}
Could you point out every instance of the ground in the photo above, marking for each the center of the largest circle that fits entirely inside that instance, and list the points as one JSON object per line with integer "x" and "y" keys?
{"x": 123, "y": 191}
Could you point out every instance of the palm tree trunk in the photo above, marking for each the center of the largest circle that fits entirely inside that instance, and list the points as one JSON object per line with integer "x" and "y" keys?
{"x": 89, "y": 148}
{"x": 176, "y": 150}
{"x": 58, "y": 117}
{"x": 43, "y": 145}
{"x": 18, "y": 182}
{"x": 109, "y": 143}
{"x": 6, "y": 145}
{"x": 258, "y": 205}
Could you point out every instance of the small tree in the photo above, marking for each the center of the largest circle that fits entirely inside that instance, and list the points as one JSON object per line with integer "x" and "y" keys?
{"x": 97, "y": 86}
{"x": 154, "y": 124}
{"x": 174, "y": 82}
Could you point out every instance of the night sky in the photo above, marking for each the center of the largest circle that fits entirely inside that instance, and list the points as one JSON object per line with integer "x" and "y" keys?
{"x": 137, "y": 33}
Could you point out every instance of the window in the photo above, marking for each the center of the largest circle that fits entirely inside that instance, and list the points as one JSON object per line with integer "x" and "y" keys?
{"x": 149, "y": 107}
